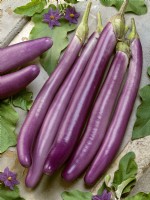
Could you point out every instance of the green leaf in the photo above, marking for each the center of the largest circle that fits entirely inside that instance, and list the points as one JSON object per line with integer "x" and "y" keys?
{"x": 139, "y": 8}
{"x": 71, "y": 1}
{"x": 76, "y": 195}
{"x": 142, "y": 125}
{"x": 139, "y": 196}
{"x": 23, "y": 100}
{"x": 7, "y": 194}
{"x": 35, "y": 6}
{"x": 123, "y": 185}
{"x": 105, "y": 185}
{"x": 8, "y": 121}
{"x": 49, "y": 60}
{"x": 126, "y": 173}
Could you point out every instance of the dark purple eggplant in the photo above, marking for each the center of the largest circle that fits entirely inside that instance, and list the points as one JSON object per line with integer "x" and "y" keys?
{"x": 118, "y": 125}
{"x": 13, "y": 83}
{"x": 76, "y": 114}
{"x": 16, "y": 55}
{"x": 35, "y": 118}
{"x": 100, "y": 116}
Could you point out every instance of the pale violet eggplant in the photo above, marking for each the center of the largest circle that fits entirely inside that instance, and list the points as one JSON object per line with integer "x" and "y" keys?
{"x": 36, "y": 115}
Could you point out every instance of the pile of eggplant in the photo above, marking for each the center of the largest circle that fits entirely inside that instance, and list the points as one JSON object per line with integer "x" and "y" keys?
{"x": 80, "y": 116}
{"x": 12, "y": 58}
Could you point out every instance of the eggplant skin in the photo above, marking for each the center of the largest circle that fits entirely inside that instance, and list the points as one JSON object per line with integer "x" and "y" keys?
{"x": 82, "y": 100}
{"x": 99, "y": 119}
{"x": 13, "y": 83}
{"x": 118, "y": 125}
{"x": 36, "y": 115}
{"x": 16, "y": 55}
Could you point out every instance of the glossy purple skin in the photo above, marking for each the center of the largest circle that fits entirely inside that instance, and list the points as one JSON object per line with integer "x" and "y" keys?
{"x": 54, "y": 117}
{"x": 11, "y": 84}
{"x": 84, "y": 95}
{"x": 99, "y": 119}
{"x": 55, "y": 114}
{"x": 118, "y": 125}
{"x": 36, "y": 115}
{"x": 16, "y": 55}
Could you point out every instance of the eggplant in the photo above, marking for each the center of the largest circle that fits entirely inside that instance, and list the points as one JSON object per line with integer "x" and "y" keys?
{"x": 13, "y": 83}
{"x": 36, "y": 115}
{"x": 84, "y": 95}
{"x": 100, "y": 116}
{"x": 16, "y": 55}
{"x": 59, "y": 105}
{"x": 118, "y": 125}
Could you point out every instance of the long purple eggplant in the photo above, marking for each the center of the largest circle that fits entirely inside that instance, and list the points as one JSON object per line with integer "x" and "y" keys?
{"x": 76, "y": 114}
{"x": 11, "y": 84}
{"x": 35, "y": 118}
{"x": 100, "y": 116}
{"x": 59, "y": 105}
{"x": 16, "y": 55}
{"x": 55, "y": 113}
{"x": 118, "y": 125}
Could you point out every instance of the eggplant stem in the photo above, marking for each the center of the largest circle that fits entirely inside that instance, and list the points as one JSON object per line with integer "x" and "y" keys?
{"x": 133, "y": 34}
{"x": 99, "y": 23}
{"x": 82, "y": 30}
{"x": 123, "y": 7}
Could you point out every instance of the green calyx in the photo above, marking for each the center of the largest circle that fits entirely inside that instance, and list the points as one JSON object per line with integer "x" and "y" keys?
{"x": 99, "y": 23}
{"x": 83, "y": 29}
{"x": 133, "y": 34}
{"x": 124, "y": 47}
{"x": 118, "y": 21}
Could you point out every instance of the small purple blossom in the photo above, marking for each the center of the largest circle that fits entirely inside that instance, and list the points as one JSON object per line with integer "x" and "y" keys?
{"x": 9, "y": 178}
{"x": 104, "y": 196}
{"x": 52, "y": 18}
{"x": 71, "y": 15}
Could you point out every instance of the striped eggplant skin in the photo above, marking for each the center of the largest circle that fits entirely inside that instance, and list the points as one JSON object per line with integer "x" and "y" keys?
{"x": 118, "y": 125}
{"x": 16, "y": 55}
{"x": 36, "y": 115}
{"x": 55, "y": 113}
{"x": 42, "y": 102}
{"x": 99, "y": 119}
{"x": 13, "y": 83}
{"x": 82, "y": 99}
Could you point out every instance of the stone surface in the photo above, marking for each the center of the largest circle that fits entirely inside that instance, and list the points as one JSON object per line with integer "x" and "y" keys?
{"x": 51, "y": 187}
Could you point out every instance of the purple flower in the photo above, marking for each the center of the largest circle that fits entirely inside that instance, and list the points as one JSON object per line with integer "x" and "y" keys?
{"x": 104, "y": 196}
{"x": 71, "y": 15}
{"x": 9, "y": 178}
{"x": 52, "y": 18}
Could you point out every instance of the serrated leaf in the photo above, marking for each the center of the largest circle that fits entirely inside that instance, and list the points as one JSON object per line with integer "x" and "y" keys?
{"x": 23, "y": 100}
{"x": 139, "y": 8}
{"x": 49, "y": 60}
{"x": 139, "y": 196}
{"x": 127, "y": 170}
{"x": 123, "y": 185}
{"x": 76, "y": 195}
{"x": 6, "y": 194}
{"x": 142, "y": 125}
{"x": 8, "y": 121}
{"x": 35, "y": 6}
{"x": 71, "y": 1}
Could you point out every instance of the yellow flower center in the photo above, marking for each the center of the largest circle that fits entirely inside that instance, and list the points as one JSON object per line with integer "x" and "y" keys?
{"x": 72, "y": 15}
{"x": 52, "y": 17}
{"x": 9, "y": 178}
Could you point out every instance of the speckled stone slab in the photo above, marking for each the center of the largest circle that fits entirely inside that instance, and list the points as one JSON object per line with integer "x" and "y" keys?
{"x": 10, "y": 24}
